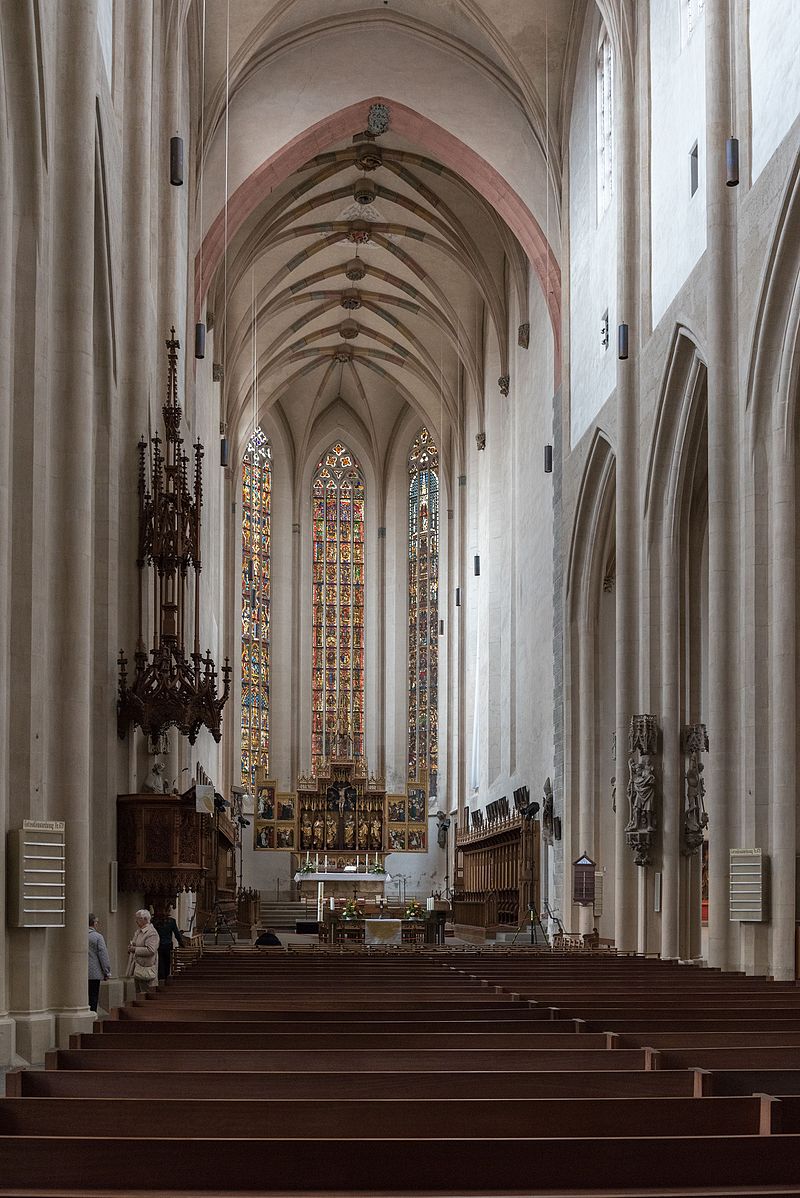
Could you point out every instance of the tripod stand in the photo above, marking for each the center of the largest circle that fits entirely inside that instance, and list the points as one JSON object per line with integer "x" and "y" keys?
{"x": 219, "y": 921}
{"x": 535, "y": 923}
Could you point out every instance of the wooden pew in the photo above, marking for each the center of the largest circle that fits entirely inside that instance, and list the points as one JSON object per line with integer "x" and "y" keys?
{"x": 405, "y": 1165}
{"x": 408, "y": 1086}
{"x": 333, "y": 1060}
{"x": 298, "y": 1118}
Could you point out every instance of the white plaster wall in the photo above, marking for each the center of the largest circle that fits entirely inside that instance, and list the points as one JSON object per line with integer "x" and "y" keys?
{"x": 774, "y": 39}
{"x": 593, "y": 253}
{"x": 510, "y": 606}
{"x": 677, "y": 121}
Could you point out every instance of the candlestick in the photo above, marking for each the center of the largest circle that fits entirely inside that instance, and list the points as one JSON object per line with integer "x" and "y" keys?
{"x": 316, "y": 863}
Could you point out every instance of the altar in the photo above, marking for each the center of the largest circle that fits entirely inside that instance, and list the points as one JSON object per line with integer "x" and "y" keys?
{"x": 329, "y": 885}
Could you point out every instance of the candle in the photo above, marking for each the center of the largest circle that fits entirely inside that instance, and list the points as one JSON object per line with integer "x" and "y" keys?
{"x": 356, "y": 862}
{"x": 333, "y": 904}
{"x": 316, "y": 863}
{"x": 326, "y": 861}
{"x": 308, "y": 862}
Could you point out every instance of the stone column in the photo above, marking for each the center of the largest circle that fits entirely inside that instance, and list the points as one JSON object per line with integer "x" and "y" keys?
{"x": 672, "y": 773}
{"x": 625, "y": 911}
{"x": 587, "y": 686}
{"x": 381, "y": 640}
{"x": 7, "y": 188}
{"x": 723, "y": 506}
{"x": 783, "y": 694}
{"x": 460, "y": 555}
{"x": 70, "y": 497}
{"x": 297, "y": 610}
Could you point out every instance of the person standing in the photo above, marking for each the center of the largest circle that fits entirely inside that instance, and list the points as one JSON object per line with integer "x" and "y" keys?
{"x": 143, "y": 949}
{"x": 99, "y": 964}
{"x": 167, "y": 928}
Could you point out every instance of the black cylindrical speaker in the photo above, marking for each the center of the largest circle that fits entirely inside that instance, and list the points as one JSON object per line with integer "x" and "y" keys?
{"x": 548, "y": 459}
{"x": 199, "y": 340}
{"x": 223, "y": 451}
{"x": 441, "y": 628}
{"x": 176, "y": 161}
{"x": 458, "y": 596}
{"x": 732, "y": 162}
{"x": 476, "y": 565}
{"x": 622, "y": 342}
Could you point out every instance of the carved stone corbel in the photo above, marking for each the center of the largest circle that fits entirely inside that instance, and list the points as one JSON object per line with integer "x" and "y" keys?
{"x": 695, "y": 817}
{"x": 642, "y": 787}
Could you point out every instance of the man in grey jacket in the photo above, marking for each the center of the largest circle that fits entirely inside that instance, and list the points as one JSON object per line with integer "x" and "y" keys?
{"x": 99, "y": 964}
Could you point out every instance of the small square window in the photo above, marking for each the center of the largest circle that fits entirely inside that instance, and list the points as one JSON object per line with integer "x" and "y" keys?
{"x": 694, "y": 170}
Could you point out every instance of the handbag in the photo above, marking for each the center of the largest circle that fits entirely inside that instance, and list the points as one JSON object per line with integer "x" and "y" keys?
{"x": 145, "y": 973}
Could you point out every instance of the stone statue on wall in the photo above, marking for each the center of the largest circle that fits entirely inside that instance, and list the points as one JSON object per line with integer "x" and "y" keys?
{"x": 695, "y": 817}
{"x": 641, "y": 790}
{"x": 155, "y": 783}
{"x": 548, "y": 813}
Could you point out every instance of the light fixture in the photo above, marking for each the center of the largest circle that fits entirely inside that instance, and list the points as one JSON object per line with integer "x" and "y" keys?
{"x": 458, "y": 596}
{"x": 622, "y": 342}
{"x": 176, "y": 161}
{"x": 476, "y": 565}
{"x": 199, "y": 340}
{"x": 732, "y": 162}
{"x": 173, "y": 684}
{"x": 548, "y": 459}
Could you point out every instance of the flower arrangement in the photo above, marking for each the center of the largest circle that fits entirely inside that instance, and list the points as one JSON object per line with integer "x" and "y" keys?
{"x": 377, "y": 868}
{"x": 350, "y": 910}
{"x": 414, "y": 911}
{"x": 308, "y": 867}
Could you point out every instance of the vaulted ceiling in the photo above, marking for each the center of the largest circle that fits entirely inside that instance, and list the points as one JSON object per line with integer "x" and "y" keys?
{"x": 373, "y": 281}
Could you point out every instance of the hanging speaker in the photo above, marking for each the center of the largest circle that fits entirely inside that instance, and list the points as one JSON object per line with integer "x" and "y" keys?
{"x": 732, "y": 162}
{"x": 176, "y": 161}
{"x": 548, "y": 459}
{"x": 458, "y": 604}
{"x": 441, "y": 628}
{"x": 223, "y": 451}
{"x": 199, "y": 340}
{"x": 476, "y": 565}
{"x": 622, "y": 342}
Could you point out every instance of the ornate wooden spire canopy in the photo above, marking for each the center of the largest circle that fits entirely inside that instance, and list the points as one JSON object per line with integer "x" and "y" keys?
{"x": 173, "y": 688}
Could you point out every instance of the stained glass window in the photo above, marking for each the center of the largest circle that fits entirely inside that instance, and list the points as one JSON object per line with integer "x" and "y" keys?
{"x": 605, "y": 127}
{"x": 423, "y": 609}
{"x": 256, "y": 505}
{"x": 337, "y": 664}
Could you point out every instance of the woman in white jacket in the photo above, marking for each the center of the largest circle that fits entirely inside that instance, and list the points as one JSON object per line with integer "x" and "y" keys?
{"x": 144, "y": 951}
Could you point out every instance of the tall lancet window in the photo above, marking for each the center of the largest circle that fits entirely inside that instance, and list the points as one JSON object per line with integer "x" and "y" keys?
{"x": 337, "y": 661}
{"x": 605, "y": 124}
{"x": 423, "y": 609}
{"x": 256, "y": 506}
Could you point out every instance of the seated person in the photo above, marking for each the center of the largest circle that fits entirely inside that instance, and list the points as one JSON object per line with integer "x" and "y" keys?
{"x": 267, "y": 939}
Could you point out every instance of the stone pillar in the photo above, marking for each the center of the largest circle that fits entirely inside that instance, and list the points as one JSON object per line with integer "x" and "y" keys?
{"x": 625, "y": 911}
{"x": 297, "y": 610}
{"x": 723, "y": 506}
{"x": 587, "y": 685}
{"x": 783, "y": 695}
{"x": 460, "y": 556}
{"x": 381, "y": 639}
{"x": 70, "y": 488}
{"x": 7, "y": 188}
{"x": 672, "y": 773}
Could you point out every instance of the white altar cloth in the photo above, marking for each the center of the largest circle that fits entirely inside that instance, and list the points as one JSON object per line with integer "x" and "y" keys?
{"x": 340, "y": 876}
